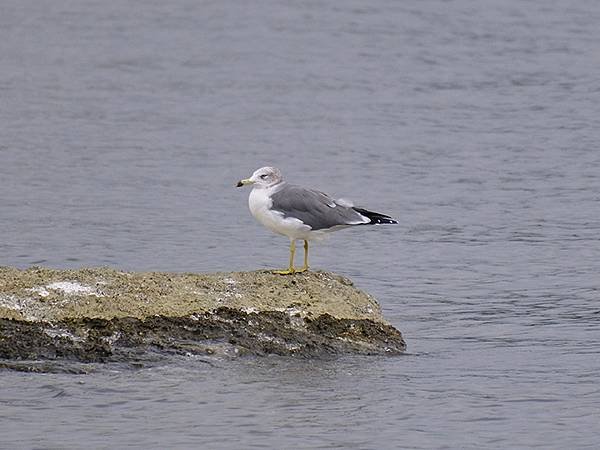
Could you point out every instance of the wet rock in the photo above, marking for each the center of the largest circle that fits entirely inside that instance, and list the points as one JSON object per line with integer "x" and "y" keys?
{"x": 104, "y": 315}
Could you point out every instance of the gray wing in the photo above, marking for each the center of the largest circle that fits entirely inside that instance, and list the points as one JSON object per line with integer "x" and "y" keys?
{"x": 314, "y": 208}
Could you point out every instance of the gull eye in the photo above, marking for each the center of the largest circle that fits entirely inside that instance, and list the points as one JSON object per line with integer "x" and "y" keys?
{"x": 263, "y": 176}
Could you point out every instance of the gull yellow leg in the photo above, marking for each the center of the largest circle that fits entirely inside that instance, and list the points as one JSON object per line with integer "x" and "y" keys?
{"x": 305, "y": 266}
{"x": 290, "y": 269}
{"x": 292, "y": 254}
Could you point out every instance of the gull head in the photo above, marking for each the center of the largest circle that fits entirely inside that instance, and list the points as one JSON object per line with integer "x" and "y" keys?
{"x": 263, "y": 178}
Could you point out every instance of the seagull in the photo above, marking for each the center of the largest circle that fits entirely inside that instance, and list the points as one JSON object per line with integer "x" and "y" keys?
{"x": 300, "y": 213}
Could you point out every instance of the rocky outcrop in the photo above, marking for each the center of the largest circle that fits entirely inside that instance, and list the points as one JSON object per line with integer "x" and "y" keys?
{"x": 98, "y": 315}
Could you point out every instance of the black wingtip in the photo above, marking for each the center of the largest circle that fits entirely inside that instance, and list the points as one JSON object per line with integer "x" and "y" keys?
{"x": 375, "y": 218}
{"x": 382, "y": 220}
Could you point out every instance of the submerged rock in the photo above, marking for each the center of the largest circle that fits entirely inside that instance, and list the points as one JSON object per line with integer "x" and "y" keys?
{"x": 97, "y": 315}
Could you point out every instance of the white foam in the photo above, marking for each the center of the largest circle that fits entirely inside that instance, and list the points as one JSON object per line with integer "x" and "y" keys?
{"x": 39, "y": 290}
{"x": 69, "y": 287}
{"x": 11, "y": 302}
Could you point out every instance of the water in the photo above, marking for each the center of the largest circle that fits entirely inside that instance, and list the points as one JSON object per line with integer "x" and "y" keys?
{"x": 125, "y": 125}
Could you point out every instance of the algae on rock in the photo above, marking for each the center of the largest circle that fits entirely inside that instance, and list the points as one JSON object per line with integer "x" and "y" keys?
{"x": 256, "y": 312}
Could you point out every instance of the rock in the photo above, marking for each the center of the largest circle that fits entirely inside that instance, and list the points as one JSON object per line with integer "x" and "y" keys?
{"x": 101, "y": 314}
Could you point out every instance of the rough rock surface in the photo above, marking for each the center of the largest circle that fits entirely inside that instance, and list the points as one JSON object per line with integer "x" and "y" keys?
{"x": 101, "y": 314}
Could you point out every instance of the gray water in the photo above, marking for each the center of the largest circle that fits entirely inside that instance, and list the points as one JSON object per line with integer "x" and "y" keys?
{"x": 125, "y": 125}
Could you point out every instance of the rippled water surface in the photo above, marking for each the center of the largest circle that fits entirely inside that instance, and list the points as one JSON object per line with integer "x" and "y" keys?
{"x": 125, "y": 125}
